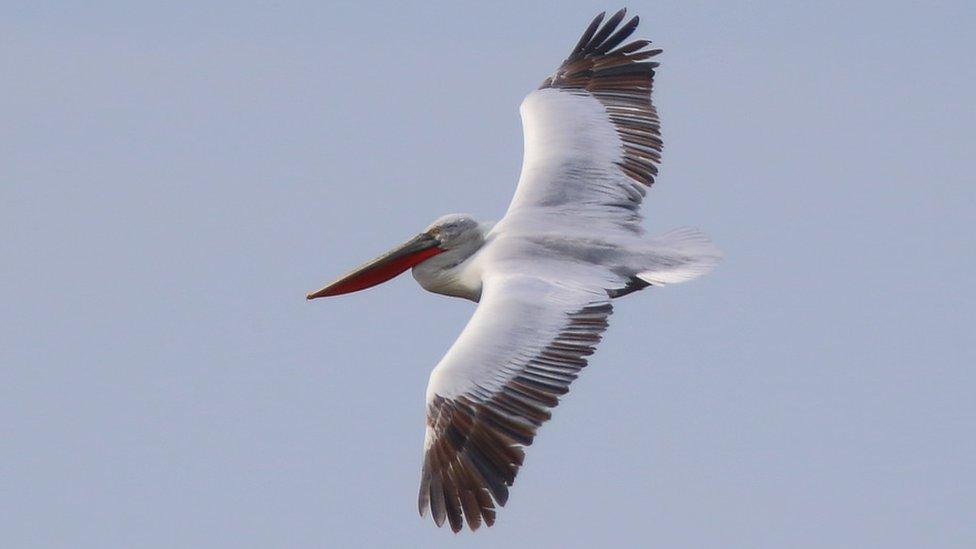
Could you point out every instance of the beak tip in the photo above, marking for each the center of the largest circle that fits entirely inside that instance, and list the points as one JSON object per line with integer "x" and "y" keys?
{"x": 324, "y": 292}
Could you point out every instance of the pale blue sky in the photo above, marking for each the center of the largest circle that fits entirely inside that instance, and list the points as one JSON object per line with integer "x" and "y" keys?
{"x": 174, "y": 179}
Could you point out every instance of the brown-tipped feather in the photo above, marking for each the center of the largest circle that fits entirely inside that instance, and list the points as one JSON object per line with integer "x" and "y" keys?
{"x": 423, "y": 498}
{"x": 604, "y": 32}
{"x": 452, "y": 499}
{"x": 618, "y": 36}
{"x": 618, "y": 77}
{"x": 437, "y": 505}
{"x": 478, "y": 442}
{"x": 634, "y": 46}
{"x": 587, "y": 34}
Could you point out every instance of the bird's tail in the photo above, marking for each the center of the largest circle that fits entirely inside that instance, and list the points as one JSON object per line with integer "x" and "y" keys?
{"x": 678, "y": 256}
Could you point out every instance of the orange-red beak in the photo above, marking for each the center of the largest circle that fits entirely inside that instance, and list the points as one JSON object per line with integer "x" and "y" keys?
{"x": 384, "y": 267}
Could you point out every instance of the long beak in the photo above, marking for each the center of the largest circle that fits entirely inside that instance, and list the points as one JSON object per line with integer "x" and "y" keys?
{"x": 384, "y": 267}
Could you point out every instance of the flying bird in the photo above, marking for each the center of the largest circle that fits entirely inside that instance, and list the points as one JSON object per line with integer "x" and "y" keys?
{"x": 545, "y": 275}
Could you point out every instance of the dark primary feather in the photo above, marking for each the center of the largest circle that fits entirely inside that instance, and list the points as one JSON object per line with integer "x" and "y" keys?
{"x": 618, "y": 36}
{"x": 621, "y": 79}
{"x": 587, "y": 35}
{"x": 605, "y": 31}
{"x": 479, "y": 436}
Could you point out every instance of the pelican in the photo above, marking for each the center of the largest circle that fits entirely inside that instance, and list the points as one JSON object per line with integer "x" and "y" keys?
{"x": 545, "y": 275}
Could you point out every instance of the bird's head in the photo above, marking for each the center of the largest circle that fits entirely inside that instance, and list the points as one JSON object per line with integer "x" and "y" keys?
{"x": 454, "y": 230}
{"x": 449, "y": 232}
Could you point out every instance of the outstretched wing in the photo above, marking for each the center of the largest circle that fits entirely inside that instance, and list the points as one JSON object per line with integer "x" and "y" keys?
{"x": 524, "y": 345}
{"x": 592, "y": 135}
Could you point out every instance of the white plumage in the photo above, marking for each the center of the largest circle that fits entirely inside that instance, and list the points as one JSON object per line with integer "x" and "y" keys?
{"x": 545, "y": 274}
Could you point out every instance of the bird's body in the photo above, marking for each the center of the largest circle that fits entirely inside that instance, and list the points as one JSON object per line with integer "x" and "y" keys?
{"x": 545, "y": 274}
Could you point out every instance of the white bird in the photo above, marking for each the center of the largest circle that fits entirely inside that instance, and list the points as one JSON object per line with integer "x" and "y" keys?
{"x": 545, "y": 274}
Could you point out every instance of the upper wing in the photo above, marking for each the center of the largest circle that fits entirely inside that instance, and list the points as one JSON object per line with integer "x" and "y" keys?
{"x": 592, "y": 136}
{"x": 521, "y": 349}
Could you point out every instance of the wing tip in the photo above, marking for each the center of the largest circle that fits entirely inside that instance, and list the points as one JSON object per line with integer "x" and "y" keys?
{"x": 598, "y": 49}
{"x": 599, "y": 37}
{"x": 478, "y": 438}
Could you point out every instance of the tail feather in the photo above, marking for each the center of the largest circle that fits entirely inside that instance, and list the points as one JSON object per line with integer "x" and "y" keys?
{"x": 680, "y": 255}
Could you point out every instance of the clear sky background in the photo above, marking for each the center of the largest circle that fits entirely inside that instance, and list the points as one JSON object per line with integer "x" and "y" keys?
{"x": 174, "y": 179}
